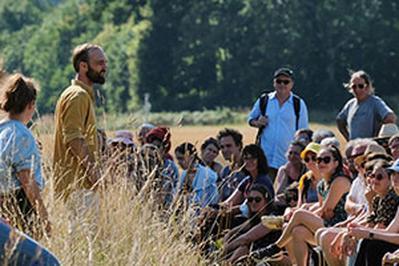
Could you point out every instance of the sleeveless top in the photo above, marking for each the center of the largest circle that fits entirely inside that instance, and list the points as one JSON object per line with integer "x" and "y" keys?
{"x": 309, "y": 193}
{"x": 323, "y": 187}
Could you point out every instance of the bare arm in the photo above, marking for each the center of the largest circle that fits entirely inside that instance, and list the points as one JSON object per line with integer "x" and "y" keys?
{"x": 279, "y": 180}
{"x": 378, "y": 234}
{"x": 338, "y": 188}
{"x": 351, "y": 207}
{"x": 255, "y": 233}
{"x": 389, "y": 118}
{"x": 342, "y": 127}
{"x": 235, "y": 199}
{"x": 262, "y": 121}
{"x": 32, "y": 192}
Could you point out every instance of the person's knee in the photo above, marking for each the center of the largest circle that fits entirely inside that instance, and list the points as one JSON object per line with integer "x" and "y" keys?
{"x": 299, "y": 232}
{"x": 298, "y": 215}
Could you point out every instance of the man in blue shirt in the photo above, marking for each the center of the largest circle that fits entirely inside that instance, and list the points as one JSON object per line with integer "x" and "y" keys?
{"x": 280, "y": 119}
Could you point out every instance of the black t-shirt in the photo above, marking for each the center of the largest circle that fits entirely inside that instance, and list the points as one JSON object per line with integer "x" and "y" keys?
{"x": 248, "y": 181}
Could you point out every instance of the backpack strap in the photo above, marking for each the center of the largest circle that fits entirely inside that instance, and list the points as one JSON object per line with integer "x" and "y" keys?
{"x": 263, "y": 100}
{"x": 297, "y": 109}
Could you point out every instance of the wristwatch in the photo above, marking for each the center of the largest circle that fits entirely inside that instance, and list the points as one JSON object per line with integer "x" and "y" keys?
{"x": 371, "y": 235}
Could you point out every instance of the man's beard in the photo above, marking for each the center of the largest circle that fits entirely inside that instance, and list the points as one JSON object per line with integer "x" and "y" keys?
{"x": 94, "y": 76}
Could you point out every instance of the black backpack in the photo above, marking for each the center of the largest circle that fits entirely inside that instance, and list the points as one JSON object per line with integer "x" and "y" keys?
{"x": 264, "y": 99}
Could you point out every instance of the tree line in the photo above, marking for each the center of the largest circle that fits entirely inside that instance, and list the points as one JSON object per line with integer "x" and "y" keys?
{"x": 190, "y": 55}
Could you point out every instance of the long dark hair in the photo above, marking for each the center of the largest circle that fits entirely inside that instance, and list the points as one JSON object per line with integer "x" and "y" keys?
{"x": 266, "y": 194}
{"x": 256, "y": 152}
{"x": 336, "y": 154}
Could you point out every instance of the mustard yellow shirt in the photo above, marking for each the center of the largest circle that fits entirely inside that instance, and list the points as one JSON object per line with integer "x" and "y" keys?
{"x": 74, "y": 118}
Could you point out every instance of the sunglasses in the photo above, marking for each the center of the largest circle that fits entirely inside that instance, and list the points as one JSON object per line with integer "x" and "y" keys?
{"x": 310, "y": 158}
{"x": 358, "y": 86}
{"x": 283, "y": 81}
{"x": 325, "y": 160}
{"x": 256, "y": 199}
{"x": 378, "y": 177}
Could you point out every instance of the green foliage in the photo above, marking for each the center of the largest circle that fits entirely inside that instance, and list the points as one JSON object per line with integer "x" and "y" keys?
{"x": 190, "y": 55}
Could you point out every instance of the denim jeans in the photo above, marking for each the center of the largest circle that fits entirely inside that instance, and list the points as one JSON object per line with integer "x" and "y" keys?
{"x": 27, "y": 250}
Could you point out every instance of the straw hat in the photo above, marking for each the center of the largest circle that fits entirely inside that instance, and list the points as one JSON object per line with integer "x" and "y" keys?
{"x": 371, "y": 149}
{"x": 387, "y": 131}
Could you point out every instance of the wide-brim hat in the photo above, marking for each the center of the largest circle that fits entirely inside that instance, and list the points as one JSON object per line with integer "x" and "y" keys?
{"x": 387, "y": 131}
{"x": 371, "y": 149}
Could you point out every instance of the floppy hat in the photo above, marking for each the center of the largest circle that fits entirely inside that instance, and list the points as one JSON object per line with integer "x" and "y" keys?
{"x": 123, "y": 136}
{"x": 387, "y": 131}
{"x": 371, "y": 149}
{"x": 313, "y": 147}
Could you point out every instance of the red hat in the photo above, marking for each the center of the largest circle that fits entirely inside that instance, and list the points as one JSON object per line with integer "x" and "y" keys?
{"x": 162, "y": 134}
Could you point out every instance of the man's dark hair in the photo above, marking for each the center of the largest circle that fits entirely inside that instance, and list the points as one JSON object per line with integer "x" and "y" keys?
{"x": 81, "y": 53}
{"x": 210, "y": 141}
{"x": 298, "y": 144}
{"x": 306, "y": 131}
{"x": 237, "y": 136}
{"x": 188, "y": 149}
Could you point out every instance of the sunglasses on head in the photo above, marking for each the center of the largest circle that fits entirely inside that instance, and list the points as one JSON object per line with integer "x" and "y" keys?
{"x": 283, "y": 81}
{"x": 249, "y": 158}
{"x": 310, "y": 158}
{"x": 358, "y": 86}
{"x": 256, "y": 199}
{"x": 325, "y": 160}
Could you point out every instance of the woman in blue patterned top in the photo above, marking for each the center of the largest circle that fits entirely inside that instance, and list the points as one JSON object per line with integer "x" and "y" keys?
{"x": 20, "y": 164}
{"x": 304, "y": 223}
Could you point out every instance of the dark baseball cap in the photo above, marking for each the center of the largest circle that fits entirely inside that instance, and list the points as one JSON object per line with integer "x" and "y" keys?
{"x": 285, "y": 72}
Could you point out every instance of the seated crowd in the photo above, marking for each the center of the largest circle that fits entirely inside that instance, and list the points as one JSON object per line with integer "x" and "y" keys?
{"x": 323, "y": 205}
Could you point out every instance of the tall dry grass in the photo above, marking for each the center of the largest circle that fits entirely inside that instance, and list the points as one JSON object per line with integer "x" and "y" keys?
{"x": 122, "y": 226}
{"x": 117, "y": 225}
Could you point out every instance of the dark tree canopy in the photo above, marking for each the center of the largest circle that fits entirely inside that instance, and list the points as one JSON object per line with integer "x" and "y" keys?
{"x": 204, "y": 54}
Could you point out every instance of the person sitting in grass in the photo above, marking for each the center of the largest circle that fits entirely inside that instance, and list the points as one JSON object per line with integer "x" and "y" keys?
{"x": 197, "y": 182}
{"x": 302, "y": 226}
{"x": 209, "y": 151}
{"x": 376, "y": 242}
{"x": 230, "y": 142}
{"x": 251, "y": 234}
{"x": 160, "y": 137}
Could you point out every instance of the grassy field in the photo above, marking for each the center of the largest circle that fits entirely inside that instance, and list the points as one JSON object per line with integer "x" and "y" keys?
{"x": 123, "y": 227}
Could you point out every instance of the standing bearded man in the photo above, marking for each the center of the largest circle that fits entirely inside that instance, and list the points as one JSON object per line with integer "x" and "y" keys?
{"x": 76, "y": 147}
